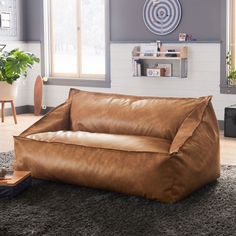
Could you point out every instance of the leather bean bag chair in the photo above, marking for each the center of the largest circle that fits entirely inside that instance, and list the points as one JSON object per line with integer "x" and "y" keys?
{"x": 158, "y": 148}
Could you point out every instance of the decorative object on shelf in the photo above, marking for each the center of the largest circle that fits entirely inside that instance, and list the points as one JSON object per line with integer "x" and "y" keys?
{"x": 171, "y": 53}
{"x": 159, "y": 44}
{"x": 167, "y": 67}
{"x": 186, "y": 37}
{"x": 231, "y": 72}
{"x": 183, "y": 37}
{"x": 190, "y": 37}
{"x": 136, "y": 51}
{"x": 162, "y": 17}
{"x": 155, "y": 72}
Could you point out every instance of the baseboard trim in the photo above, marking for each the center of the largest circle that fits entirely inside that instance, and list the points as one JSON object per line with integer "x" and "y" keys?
{"x": 26, "y": 109}
{"x": 30, "y": 109}
{"x": 221, "y": 124}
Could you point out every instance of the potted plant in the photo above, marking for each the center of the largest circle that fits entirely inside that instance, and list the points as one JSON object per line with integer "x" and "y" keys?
{"x": 231, "y": 70}
{"x": 13, "y": 65}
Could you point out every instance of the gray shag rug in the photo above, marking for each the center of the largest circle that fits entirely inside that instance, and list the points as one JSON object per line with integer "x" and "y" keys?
{"x": 48, "y": 208}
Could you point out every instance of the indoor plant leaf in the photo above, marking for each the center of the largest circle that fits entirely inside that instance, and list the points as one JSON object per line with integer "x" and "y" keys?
{"x": 15, "y": 63}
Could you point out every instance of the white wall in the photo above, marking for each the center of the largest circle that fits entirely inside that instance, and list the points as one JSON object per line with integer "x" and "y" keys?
{"x": 33, "y": 47}
{"x": 22, "y": 84}
{"x": 203, "y": 78}
{"x": 25, "y": 86}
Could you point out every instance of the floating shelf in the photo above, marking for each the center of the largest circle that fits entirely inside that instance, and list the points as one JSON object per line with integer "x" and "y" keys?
{"x": 156, "y": 58}
{"x": 176, "y": 65}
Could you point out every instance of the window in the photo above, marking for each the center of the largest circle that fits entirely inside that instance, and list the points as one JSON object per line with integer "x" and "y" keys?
{"x": 228, "y": 37}
{"x": 232, "y": 30}
{"x": 77, "y": 38}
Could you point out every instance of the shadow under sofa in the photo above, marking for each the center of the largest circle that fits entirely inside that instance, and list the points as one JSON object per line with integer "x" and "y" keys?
{"x": 158, "y": 148}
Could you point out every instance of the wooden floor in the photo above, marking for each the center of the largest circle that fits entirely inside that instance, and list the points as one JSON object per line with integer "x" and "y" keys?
{"x": 8, "y": 129}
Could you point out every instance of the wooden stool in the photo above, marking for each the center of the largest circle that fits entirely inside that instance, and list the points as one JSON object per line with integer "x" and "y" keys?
{"x": 12, "y": 108}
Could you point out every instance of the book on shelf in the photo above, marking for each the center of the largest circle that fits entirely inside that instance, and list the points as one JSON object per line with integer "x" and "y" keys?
{"x": 148, "y": 49}
{"x": 136, "y": 68}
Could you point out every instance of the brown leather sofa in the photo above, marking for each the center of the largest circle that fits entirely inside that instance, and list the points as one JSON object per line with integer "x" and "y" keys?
{"x": 158, "y": 148}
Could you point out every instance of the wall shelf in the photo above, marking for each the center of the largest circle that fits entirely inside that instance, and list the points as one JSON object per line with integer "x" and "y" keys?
{"x": 175, "y": 66}
{"x": 156, "y": 58}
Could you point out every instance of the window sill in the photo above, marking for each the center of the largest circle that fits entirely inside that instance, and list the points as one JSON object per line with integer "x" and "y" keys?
{"x": 228, "y": 89}
{"x": 98, "y": 83}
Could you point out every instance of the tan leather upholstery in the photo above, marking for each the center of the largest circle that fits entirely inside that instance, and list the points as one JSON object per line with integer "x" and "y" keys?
{"x": 107, "y": 141}
{"x": 158, "y": 148}
{"x": 119, "y": 114}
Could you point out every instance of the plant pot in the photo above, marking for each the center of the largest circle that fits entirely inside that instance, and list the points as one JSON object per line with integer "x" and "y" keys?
{"x": 7, "y": 91}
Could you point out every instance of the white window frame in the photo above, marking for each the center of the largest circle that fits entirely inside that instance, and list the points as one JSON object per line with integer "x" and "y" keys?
{"x": 231, "y": 30}
{"x": 48, "y": 51}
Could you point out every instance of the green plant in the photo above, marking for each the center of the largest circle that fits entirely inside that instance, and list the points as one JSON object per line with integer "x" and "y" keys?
{"x": 231, "y": 69}
{"x": 15, "y": 63}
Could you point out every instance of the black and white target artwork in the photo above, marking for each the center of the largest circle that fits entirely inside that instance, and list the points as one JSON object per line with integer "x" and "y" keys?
{"x": 162, "y": 16}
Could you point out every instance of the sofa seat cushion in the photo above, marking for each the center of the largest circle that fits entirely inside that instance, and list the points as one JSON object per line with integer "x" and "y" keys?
{"x": 138, "y": 173}
{"x": 129, "y": 143}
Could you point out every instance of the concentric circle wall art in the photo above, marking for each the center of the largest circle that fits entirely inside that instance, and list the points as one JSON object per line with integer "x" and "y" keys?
{"x": 162, "y": 16}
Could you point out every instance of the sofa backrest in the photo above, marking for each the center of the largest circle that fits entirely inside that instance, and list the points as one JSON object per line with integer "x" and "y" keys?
{"x": 134, "y": 115}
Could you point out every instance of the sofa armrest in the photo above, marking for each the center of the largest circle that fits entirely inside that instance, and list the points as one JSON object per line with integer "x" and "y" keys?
{"x": 57, "y": 119}
{"x": 190, "y": 124}
{"x": 195, "y": 157}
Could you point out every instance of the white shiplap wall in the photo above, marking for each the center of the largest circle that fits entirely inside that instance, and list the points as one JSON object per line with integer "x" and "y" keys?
{"x": 21, "y": 98}
{"x": 203, "y": 78}
{"x": 25, "y": 86}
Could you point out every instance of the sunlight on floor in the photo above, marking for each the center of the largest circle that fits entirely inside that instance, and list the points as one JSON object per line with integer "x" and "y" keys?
{"x": 8, "y": 129}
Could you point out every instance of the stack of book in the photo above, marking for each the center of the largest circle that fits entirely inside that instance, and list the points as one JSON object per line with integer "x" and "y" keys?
{"x": 137, "y": 68}
{"x": 14, "y": 183}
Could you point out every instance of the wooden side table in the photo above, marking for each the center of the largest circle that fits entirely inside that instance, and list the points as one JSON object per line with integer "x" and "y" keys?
{"x": 12, "y": 108}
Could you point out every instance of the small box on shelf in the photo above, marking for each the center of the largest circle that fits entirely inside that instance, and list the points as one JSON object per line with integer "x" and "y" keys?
{"x": 156, "y": 72}
{"x": 167, "y": 67}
